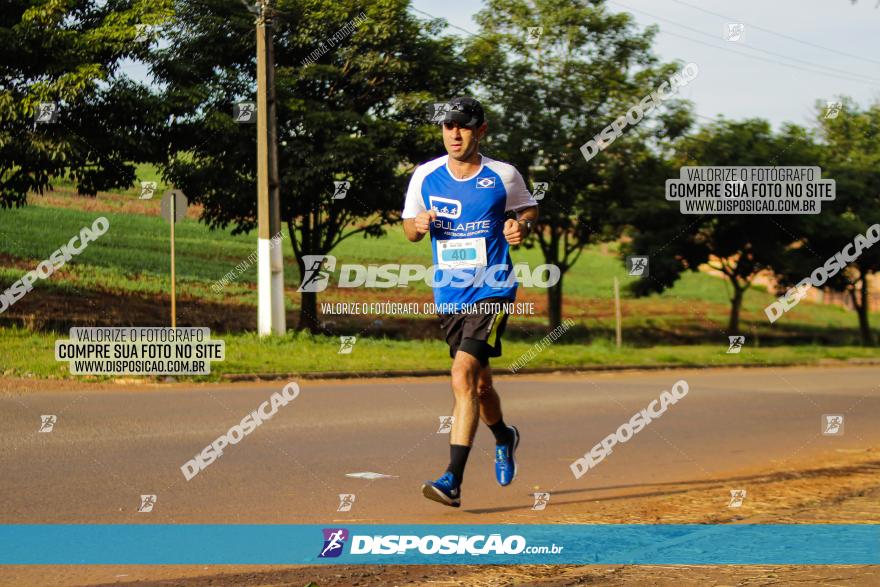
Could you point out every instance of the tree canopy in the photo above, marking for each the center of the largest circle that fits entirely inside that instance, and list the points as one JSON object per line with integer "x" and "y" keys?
{"x": 351, "y": 107}
{"x": 551, "y": 94}
{"x": 67, "y": 55}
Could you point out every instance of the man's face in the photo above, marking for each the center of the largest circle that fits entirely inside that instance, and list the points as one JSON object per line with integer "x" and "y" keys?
{"x": 462, "y": 142}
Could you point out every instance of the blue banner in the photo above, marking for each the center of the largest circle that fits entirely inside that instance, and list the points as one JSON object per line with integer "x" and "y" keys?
{"x": 604, "y": 544}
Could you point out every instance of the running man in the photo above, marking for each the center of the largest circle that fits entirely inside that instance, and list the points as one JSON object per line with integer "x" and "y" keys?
{"x": 334, "y": 542}
{"x": 461, "y": 199}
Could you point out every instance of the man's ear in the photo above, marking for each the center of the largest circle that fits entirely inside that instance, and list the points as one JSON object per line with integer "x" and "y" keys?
{"x": 481, "y": 130}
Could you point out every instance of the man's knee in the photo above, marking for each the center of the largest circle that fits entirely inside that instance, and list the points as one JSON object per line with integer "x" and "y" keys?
{"x": 463, "y": 375}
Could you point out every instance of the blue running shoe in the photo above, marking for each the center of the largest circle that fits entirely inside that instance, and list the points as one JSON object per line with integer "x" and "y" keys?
{"x": 444, "y": 490}
{"x": 505, "y": 461}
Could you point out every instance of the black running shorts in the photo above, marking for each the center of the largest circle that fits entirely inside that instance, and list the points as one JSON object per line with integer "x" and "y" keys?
{"x": 477, "y": 331}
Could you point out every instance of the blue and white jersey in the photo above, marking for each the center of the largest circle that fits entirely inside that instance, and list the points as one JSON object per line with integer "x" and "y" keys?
{"x": 471, "y": 257}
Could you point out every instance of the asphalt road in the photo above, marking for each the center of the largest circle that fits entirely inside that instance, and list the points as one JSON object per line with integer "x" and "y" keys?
{"x": 108, "y": 448}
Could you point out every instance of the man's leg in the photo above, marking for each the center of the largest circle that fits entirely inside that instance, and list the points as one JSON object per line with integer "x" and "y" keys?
{"x": 490, "y": 407}
{"x": 506, "y": 437}
{"x": 466, "y": 411}
{"x": 490, "y": 403}
{"x": 465, "y": 376}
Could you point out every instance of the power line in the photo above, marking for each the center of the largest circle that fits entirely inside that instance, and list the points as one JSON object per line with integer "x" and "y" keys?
{"x": 817, "y": 72}
{"x": 698, "y": 31}
{"x": 796, "y": 40}
{"x": 447, "y": 22}
{"x": 825, "y": 73}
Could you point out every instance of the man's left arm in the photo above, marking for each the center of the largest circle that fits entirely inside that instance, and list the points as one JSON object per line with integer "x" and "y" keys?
{"x": 516, "y": 231}
{"x": 519, "y": 200}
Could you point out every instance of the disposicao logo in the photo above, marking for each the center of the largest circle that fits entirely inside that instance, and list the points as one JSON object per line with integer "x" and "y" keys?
{"x": 432, "y": 544}
{"x": 334, "y": 540}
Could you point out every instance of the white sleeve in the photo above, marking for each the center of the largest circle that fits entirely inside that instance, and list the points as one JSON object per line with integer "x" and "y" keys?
{"x": 414, "y": 203}
{"x": 518, "y": 196}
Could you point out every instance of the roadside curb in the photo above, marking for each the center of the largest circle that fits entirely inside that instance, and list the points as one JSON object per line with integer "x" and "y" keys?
{"x": 534, "y": 371}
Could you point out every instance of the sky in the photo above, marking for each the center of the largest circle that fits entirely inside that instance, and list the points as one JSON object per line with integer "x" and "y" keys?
{"x": 792, "y": 52}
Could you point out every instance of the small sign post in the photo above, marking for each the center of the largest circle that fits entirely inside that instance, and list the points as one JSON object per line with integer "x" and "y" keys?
{"x": 618, "y": 331}
{"x": 174, "y": 205}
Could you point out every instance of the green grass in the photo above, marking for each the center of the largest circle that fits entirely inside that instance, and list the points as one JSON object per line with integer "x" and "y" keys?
{"x": 132, "y": 258}
{"x": 143, "y": 172}
{"x": 133, "y": 244}
{"x": 28, "y": 353}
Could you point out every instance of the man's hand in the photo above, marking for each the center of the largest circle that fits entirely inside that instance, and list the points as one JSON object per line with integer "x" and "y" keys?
{"x": 514, "y": 231}
{"x": 423, "y": 221}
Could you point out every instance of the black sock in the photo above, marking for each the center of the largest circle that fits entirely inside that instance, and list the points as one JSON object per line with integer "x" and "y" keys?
{"x": 458, "y": 454}
{"x": 503, "y": 434}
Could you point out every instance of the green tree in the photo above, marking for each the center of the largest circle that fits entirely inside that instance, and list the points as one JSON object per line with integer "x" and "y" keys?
{"x": 551, "y": 94}
{"x": 850, "y": 156}
{"x": 351, "y": 106}
{"x": 69, "y": 53}
{"x": 739, "y": 246}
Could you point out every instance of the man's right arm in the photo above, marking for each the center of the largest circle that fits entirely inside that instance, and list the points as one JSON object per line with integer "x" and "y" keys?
{"x": 409, "y": 229}
{"x": 416, "y": 216}
{"x": 416, "y": 228}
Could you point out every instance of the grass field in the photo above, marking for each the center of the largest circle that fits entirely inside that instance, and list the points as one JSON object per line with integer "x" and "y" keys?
{"x": 143, "y": 172}
{"x": 131, "y": 262}
{"x": 133, "y": 256}
{"x": 27, "y": 353}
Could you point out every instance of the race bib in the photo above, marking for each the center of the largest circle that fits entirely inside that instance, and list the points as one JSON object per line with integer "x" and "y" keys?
{"x": 461, "y": 252}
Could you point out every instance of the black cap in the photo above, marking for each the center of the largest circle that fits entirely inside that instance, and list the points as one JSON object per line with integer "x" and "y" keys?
{"x": 466, "y": 111}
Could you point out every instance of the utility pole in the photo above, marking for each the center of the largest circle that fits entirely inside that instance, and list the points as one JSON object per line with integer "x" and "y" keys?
{"x": 270, "y": 263}
{"x": 173, "y": 268}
